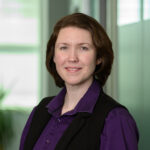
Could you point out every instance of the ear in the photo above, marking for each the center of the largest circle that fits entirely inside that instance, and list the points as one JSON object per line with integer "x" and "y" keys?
{"x": 98, "y": 61}
{"x": 54, "y": 59}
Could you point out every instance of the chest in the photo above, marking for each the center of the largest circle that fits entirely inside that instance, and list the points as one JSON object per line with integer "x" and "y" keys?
{"x": 52, "y": 132}
{"x": 83, "y": 133}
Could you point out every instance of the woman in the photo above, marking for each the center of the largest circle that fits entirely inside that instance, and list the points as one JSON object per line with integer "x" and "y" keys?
{"x": 81, "y": 117}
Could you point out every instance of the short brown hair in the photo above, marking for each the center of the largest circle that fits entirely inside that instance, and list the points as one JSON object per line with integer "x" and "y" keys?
{"x": 100, "y": 39}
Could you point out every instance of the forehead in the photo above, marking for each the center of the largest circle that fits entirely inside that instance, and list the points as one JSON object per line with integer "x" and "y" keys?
{"x": 74, "y": 34}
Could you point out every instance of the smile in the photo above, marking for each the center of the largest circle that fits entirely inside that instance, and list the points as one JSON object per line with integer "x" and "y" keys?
{"x": 73, "y": 69}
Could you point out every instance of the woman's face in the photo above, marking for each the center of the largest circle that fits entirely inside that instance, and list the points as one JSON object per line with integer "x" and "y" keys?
{"x": 75, "y": 56}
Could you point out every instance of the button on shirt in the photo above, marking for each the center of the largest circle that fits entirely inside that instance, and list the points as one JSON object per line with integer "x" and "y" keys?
{"x": 119, "y": 133}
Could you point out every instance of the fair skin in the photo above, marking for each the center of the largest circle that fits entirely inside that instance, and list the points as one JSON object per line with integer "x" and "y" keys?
{"x": 75, "y": 59}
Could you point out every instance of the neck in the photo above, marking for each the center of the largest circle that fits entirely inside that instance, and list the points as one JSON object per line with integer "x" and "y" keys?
{"x": 74, "y": 94}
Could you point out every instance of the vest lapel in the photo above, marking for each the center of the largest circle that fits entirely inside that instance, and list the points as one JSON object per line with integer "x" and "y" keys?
{"x": 74, "y": 127}
{"x": 39, "y": 121}
{"x": 96, "y": 122}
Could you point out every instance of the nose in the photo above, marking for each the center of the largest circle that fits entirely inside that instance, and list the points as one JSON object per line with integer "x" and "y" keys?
{"x": 73, "y": 56}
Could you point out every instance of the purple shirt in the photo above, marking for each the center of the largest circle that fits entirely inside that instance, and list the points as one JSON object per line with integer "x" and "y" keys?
{"x": 119, "y": 133}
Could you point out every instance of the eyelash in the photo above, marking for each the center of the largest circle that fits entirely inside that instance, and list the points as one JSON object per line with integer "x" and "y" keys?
{"x": 84, "y": 48}
{"x": 63, "y": 48}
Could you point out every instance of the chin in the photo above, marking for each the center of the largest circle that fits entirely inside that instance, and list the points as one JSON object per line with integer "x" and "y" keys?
{"x": 72, "y": 83}
{"x": 76, "y": 82}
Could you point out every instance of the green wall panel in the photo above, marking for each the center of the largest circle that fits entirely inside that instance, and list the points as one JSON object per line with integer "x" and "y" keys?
{"x": 134, "y": 73}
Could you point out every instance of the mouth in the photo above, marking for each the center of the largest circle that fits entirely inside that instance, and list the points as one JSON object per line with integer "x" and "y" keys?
{"x": 73, "y": 69}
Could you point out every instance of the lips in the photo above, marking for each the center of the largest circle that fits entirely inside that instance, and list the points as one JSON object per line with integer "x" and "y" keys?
{"x": 73, "y": 69}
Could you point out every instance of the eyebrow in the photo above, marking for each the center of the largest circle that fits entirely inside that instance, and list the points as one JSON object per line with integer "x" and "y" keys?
{"x": 77, "y": 44}
{"x": 62, "y": 43}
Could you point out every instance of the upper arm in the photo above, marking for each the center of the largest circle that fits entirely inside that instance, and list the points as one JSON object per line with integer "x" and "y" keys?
{"x": 120, "y": 131}
{"x": 26, "y": 128}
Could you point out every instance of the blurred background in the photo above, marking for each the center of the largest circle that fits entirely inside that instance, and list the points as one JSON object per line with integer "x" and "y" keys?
{"x": 25, "y": 27}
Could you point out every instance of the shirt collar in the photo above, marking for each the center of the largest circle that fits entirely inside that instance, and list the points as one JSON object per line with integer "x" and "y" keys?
{"x": 86, "y": 103}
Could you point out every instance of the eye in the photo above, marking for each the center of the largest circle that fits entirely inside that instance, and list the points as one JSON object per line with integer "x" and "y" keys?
{"x": 63, "y": 47}
{"x": 84, "y": 48}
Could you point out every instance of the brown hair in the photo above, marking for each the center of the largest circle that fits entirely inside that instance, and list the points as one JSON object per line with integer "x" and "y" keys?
{"x": 100, "y": 39}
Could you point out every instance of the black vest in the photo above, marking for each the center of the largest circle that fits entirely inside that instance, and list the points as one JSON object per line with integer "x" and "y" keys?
{"x": 84, "y": 131}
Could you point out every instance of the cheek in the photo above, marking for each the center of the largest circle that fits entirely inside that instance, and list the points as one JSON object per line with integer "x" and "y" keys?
{"x": 58, "y": 59}
{"x": 89, "y": 60}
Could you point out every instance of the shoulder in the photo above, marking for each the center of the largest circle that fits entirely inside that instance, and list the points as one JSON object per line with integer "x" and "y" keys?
{"x": 120, "y": 123}
{"x": 121, "y": 114}
{"x": 120, "y": 130}
{"x": 108, "y": 100}
{"x": 44, "y": 101}
{"x": 118, "y": 112}
{"x": 118, "y": 116}
{"x": 106, "y": 104}
{"x": 41, "y": 104}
